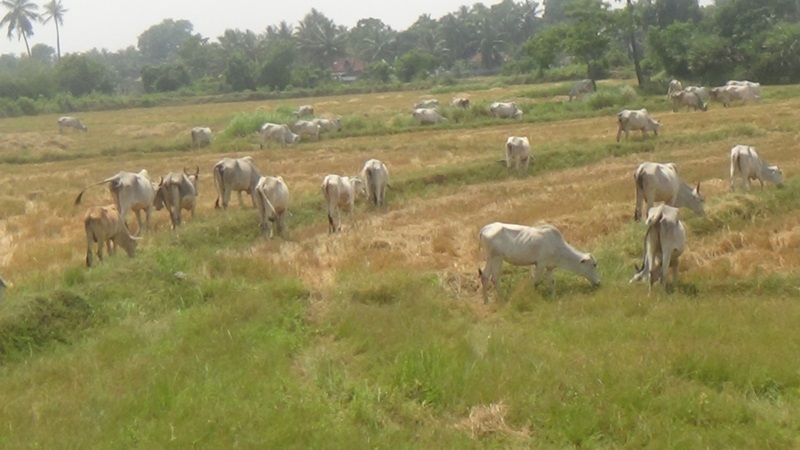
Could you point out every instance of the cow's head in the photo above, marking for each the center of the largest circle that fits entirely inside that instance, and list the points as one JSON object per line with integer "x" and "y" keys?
{"x": 774, "y": 174}
{"x": 359, "y": 188}
{"x": 588, "y": 268}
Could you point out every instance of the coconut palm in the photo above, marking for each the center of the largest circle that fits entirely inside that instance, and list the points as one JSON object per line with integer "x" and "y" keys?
{"x": 55, "y": 11}
{"x": 320, "y": 39}
{"x": 20, "y": 18}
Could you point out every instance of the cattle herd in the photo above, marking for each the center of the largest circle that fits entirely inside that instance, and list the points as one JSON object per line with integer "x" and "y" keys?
{"x": 542, "y": 246}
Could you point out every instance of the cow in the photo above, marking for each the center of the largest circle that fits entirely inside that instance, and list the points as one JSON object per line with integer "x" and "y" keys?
{"x": 637, "y": 119}
{"x": 272, "y": 201}
{"x": 585, "y": 86}
{"x": 328, "y": 125}
{"x": 240, "y": 175}
{"x": 755, "y": 87}
{"x": 746, "y": 164}
{"x": 304, "y": 110}
{"x": 688, "y": 99}
{"x": 542, "y": 246}
{"x": 201, "y": 136}
{"x": 375, "y": 178}
{"x": 518, "y": 153}
{"x": 131, "y": 192}
{"x": 307, "y": 128}
{"x": 340, "y": 195}
{"x": 505, "y": 110}
{"x": 674, "y": 86}
{"x": 664, "y": 242}
{"x": 427, "y": 104}
{"x": 461, "y": 102}
{"x": 70, "y": 122}
{"x": 425, "y": 116}
{"x": 656, "y": 182}
{"x": 732, "y": 93}
{"x": 104, "y": 225}
{"x": 176, "y": 192}
{"x": 701, "y": 92}
{"x": 277, "y": 132}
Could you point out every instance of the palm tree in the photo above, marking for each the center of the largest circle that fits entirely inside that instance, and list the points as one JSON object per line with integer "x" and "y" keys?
{"x": 320, "y": 39}
{"x": 55, "y": 11}
{"x": 20, "y": 17}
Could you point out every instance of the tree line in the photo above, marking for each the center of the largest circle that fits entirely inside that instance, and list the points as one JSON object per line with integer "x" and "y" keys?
{"x": 648, "y": 39}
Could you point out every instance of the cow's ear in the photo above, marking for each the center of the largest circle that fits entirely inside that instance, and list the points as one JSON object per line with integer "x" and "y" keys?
{"x": 586, "y": 257}
{"x": 697, "y": 189}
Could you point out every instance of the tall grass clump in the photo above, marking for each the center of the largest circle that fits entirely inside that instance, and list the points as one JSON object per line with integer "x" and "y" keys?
{"x": 618, "y": 96}
{"x": 244, "y": 124}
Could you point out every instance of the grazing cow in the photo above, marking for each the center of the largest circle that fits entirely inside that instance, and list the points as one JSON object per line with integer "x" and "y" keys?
{"x": 131, "y": 192}
{"x": 375, "y": 178}
{"x": 424, "y": 116}
{"x": 235, "y": 175}
{"x": 279, "y": 133}
{"x": 104, "y": 225}
{"x": 427, "y": 104}
{"x": 664, "y": 242}
{"x": 307, "y": 128}
{"x": 732, "y": 93}
{"x": 461, "y": 102}
{"x": 201, "y": 136}
{"x": 542, "y": 246}
{"x": 518, "y": 153}
{"x": 272, "y": 200}
{"x": 656, "y": 182}
{"x": 176, "y": 192}
{"x": 755, "y": 87}
{"x": 637, "y": 119}
{"x": 585, "y": 86}
{"x": 340, "y": 195}
{"x": 304, "y": 110}
{"x": 70, "y": 122}
{"x": 505, "y": 110}
{"x": 328, "y": 125}
{"x": 688, "y": 99}
{"x": 746, "y": 164}
{"x": 701, "y": 92}
{"x": 674, "y": 86}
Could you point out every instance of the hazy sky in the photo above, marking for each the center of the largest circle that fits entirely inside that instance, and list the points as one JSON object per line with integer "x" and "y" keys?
{"x": 113, "y": 24}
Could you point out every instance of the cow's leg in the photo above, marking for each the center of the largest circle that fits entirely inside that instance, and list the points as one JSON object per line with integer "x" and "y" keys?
{"x": 282, "y": 225}
{"x": 89, "y": 242}
{"x": 226, "y": 198}
{"x": 241, "y": 201}
{"x": 551, "y": 282}
{"x": 537, "y": 271}
{"x": 111, "y": 247}
{"x": 491, "y": 274}
{"x": 733, "y": 176}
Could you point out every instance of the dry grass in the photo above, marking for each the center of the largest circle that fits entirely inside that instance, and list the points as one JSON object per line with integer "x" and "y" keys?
{"x": 489, "y": 419}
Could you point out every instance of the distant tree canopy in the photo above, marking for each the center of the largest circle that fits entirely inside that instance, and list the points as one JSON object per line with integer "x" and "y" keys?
{"x": 754, "y": 39}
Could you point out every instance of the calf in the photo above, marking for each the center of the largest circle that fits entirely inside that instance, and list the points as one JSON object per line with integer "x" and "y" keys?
{"x": 664, "y": 242}
{"x": 70, "y": 122}
{"x": 272, "y": 200}
{"x": 505, "y": 110}
{"x": 279, "y": 133}
{"x": 104, "y": 226}
{"x": 375, "y": 178}
{"x": 687, "y": 99}
{"x": 518, "y": 154}
{"x": 542, "y": 246}
{"x": 637, "y": 119}
{"x": 176, "y": 192}
{"x": 746, "y": 164}
{"x": 425, "y": 116}
{"x": 340, "y": 194}
{"x": 307, "y": 128}
{"x": 201, "y": 136}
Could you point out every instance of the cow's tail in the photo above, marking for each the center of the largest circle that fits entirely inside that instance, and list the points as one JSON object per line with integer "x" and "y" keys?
{"x": 218, "y": 183}
{"x": 269, "y": 209}
{"x": 107, "y": 180}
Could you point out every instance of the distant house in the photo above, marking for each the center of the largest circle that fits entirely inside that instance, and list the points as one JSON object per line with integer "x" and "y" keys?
{"x": 347, "y": 69}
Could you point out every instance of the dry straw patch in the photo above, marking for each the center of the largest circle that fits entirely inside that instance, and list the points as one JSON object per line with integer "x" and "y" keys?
{"x": 489, "y": 419}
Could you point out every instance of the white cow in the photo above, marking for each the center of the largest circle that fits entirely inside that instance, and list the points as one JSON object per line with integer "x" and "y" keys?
{"x": 687, "y": 99}
{"x": 505, "y": 110}
{"x": 272, "y": 201}
{"x": 518, "y": 153}
{"x": 428, "y": 103}
{"x": 732, "y": 93}
{"x": 104, "y": 226}
{"x": 461, "y": 102}
{"x": 304, "y": 110}
{"x": 746, "y": 164}
{"x": 240, "y": 175}
{"x": 424, "y": 116}
{"x": 701, "y": 92}
{"x": 375, "y": 178}
{"x": 656, "y": 182}
{"x": 279, "y": 133}
{"x": 307, "y": 128}
{"x": 542, "y": 246}
{"x": 637, "y": 119}
{"x": 70, "y": 122}
{"x": 585, "y": 86}
{"x": 755, "y": 87}
{"x": 674, "y": 86}
{"x": 664, "y": 242}
{"x": 340, "y": 195}
{"x": 176, "y": 192}
{"x": 201, "y": 136}
{"x": 131, "y": 192}
{"x": 328, "y": 125}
